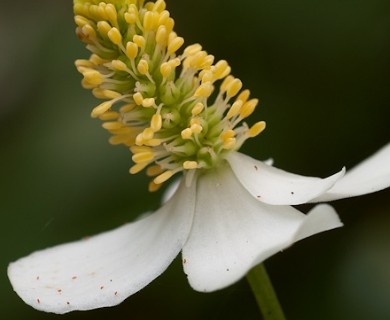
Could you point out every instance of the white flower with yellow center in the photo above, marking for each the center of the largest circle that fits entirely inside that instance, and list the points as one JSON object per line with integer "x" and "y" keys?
{"x": 179, "y": 113}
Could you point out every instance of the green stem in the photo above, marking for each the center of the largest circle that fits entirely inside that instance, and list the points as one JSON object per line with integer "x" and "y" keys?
{"x": 264, "y": 293}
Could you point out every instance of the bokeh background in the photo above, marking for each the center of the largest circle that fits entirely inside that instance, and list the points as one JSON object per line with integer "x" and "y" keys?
{"x": 321, "y": 69}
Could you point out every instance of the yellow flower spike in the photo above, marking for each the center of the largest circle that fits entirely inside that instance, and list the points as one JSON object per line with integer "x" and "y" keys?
{"x": 115, "y": 36}
{"x": 119, "y": 65}
{"x": 188, "y": 165}
{"x": 101, "y": 108}
{"x": 175, "y": 45}
{"x": 131, "y": 50}
{"x": 139, "y": 41}
{"x": 248, "y": 108}
{"x": 234, "y": 110}
{"x": 156, "y": 122}
{"x": 197, "y": 109}
{"x": 163, "y": 177}
{"x": 186, "y": 134}
{"x": 153, "y": 170}
{"x": 138, "y": 167}
{"x": 204, "y": 90}
{"x": 148, "y": 102}
{"x": 233, "y": 88}
{"x": 256, "y": 129}
{"x": 112, "y": 125}
{"x": 138, "y": 99}
{"x": 142, "y": 157}
{"x": 111, "y": 115}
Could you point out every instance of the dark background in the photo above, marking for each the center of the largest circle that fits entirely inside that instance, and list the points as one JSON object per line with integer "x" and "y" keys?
{"x": 321, "y": 69}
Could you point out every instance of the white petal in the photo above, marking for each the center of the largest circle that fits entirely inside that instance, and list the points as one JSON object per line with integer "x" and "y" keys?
{"x": 232, "y": 232}
{"x": 274, "y": 186}
{"x": 105, "y": 269}
{"x": 371, "y": 175}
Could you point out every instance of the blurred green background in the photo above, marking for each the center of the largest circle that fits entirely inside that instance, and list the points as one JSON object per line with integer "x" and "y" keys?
{"x": 321, "y": 69}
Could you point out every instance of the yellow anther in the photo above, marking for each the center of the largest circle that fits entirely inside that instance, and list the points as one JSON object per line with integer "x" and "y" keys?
{"x": 112, "y": 115}
{"x": 112, "y": 125}
{"x": 156, "y": 122}
{"x": 119, "y": 65}
{"x": 95, "y": 59}
{"x": 153, "y": 187}
{"x": 154, "y": 170}
{"x": 138, "y": 167}
{"x": 256, "y": 129}
{"x": 234, "y": 109}
{"x": 164, "y": 15}
{"x": 139, "y": 41}
{"x": 227, "y": 134}
{"x": 206, "y": 76}
{"x": 175, "y": 45}
{"x": 229, "y": 143}
{"x": 131, "y": 50}
{"x": 153, "y": 142}
{"x": 137, "y": 97}
{"x": 115, "y": 36}
{"x": 169, "y": 24}
{"x": 81, "y": 21}
{"x": 150, "y": 21}
{"x": 140, "y": 149}
{"x": 244, "y": 95}
{"x": 93, "y": 77}
{"x": 143, "y": 67}
{"x": 165, "y": 69}
{"x": 88, "y": 31}
{"x": 248, "y": 108}
{"x": 161, "y": 35}
{"x": 234, "y": 87}
{"x": 204, "y": 90}
{"x": 186, "y": 134}
{"x": 174, "y": 62}
{"x": 188, "y": 165}
{"x": 207, "y": 61}
{"x": 101, "y": 108}
{"x": 142, "y": 157}
{"x": 148, "y": 102}
{"x": 111, "y": 12}
{"x": 103, "y": 27}
{"x": 159, "y": 6}
{"x": 127, "y": 108}
{"x": 131, "y": 17}
{"x": 105, "y": 94}
{"x": 192, "y": 49}
{"x": 147, "y": 134}
{"x": 197, "y": 109}
{"x": 196, "y": 128}
{"x": 221, "y": 69}
{"x": 226, "y": 82}
{"x": 163, "y": 177}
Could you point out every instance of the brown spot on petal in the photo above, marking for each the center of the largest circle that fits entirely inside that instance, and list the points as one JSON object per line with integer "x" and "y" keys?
{"x": 39, "y": 301}
{"x": 37, "y": 277}
{"x": 101, "y": 287}
{"x": 116, "y": 293}
{"x": 292, "y": 192}
{"x": 59, "y": 290}
{"x": 67, "y": 302}
{"x": 258, "y": 197}
{"x": 256, "y": 168}
{"x": 184, "y": 260}
{"x": 74, "y": 277}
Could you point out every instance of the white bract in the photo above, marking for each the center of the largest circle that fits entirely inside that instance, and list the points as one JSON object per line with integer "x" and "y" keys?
{"x": 179, "y": 114}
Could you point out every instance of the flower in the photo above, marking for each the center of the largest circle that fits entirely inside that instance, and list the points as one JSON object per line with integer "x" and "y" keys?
{"x": 228, "y": 213}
